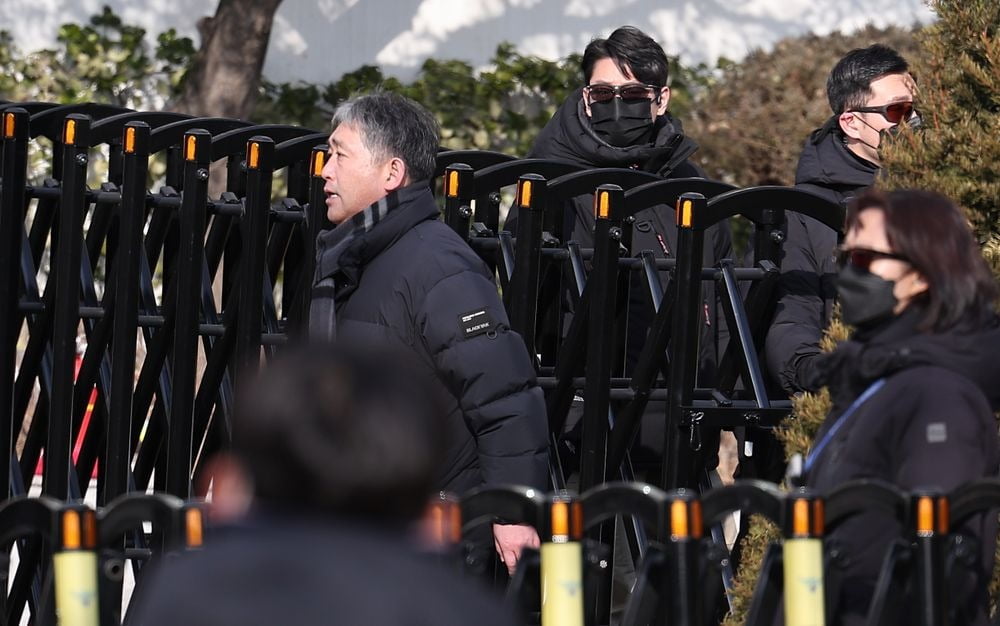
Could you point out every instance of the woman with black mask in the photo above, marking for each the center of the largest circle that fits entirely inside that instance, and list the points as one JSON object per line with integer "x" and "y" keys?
{"x": 915, "y": 387}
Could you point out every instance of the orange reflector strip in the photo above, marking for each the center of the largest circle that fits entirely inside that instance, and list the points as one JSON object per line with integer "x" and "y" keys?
{"x": 696, "y": 519}
{"x": 679, "y": 518}
{"x": 69, "y": 132}
{"x": 602, "y": 205}
{"x": 89, "y": 530}
{"x": 560, "y": 519}
{"x": 925, "y": 516}
{"x": 452, "y": 190}
{"x": 195, "y": 532}
{"x": 942, "y": 516}
{"x": 817, "y": 520}
{"x": 9, "y": 123}
{"x": 190, "y": 148}
{"x": 71, "y": 530}
{"x": 576, "y": 523}
{"x": 524, "y": 194}
{"x": 319, "y": 160}
{"x": 455, "y": 515}
{"x": 800, "y": 518}
{"x": 129, "y": 140}
{"x": 254, "y": 159}
{"x": 685, "y": 211}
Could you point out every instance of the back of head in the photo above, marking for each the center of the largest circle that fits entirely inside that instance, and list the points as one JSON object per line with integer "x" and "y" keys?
{"x": 849, "y": 83}
{"x": 334, "y": 429}
{"x": 931, "y": 231}
{"x": 634, "y": 52}
{"x": 392, "y": 125}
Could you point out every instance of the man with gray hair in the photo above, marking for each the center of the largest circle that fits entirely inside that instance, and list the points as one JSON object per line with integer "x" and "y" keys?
{"x": 392, "y": 273}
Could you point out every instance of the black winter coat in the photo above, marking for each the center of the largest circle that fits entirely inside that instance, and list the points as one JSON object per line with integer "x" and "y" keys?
{"x": 930, "y": 425}
{"x": 807, "y": 287}
{"x": 569, "y": 137}
{"x": 290, "y": 570}
{"x": 412, "y": 281}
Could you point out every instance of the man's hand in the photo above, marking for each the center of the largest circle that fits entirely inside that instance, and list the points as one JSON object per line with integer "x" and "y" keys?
{"x": 509, "y": 539}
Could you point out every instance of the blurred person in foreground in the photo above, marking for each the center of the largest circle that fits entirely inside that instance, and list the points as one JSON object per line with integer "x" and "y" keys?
{"x": 392, "y": 273}
{"x": 334, "y": 458}
{"x": 914, "y": 389}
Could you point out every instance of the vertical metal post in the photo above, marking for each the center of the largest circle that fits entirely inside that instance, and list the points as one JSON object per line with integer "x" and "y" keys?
{"x": 562, "y": 564}
{"x": 131, "y": 219}
{"x": 930, "y": 526}
{"x": 253, "y": 227}
{"x": 14, "y": 131}
{"x": 680, "y": 585}
{"x": 315, "y": 220}
{"x": 683, "y": 350}
{"x": 602, "y": 285}
{"x": 66, "y": 304}
{"x": 458, "y": 198}
{"x": 187, "y": 278}
{"x": 802, "y": 556}
{"x": 523, "y": 289}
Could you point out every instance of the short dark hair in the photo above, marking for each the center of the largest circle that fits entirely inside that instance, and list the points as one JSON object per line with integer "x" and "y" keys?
{"x": 634, "y": 52}
{"x": 932, "y": 233}
{"x": 849, "y": 84}
{"x": 330, "y": 428}
{"x": 392, "y": 125}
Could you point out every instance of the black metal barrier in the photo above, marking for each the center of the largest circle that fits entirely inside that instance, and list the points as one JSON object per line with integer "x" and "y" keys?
{"x": 677, "y": 578}
{"x": 175, "y": 292}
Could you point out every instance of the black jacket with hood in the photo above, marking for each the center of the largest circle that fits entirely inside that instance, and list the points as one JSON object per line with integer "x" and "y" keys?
{"x": 569, "y": 137}
{"x": 930, "y": 425}
{"x": 410, "y": 281}
{"x": 807, "y": 288}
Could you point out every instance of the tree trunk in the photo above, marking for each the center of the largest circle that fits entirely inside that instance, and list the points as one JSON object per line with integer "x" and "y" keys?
{"x": 224, "y": 77}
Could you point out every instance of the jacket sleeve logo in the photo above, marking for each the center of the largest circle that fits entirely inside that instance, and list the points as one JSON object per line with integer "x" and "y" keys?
{"x": 476, "y": 322}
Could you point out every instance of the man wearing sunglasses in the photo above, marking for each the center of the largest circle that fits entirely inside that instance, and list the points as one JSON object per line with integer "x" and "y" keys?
{"x": 620, "y": 118}
{"x": 871, "y": 95}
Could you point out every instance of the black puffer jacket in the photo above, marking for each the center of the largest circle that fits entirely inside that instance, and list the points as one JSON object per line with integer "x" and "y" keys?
{"x": 807, "y": 287}
{"x": 569, "y": 137}
{"x": 930, "y": 424}
{"x": 412, "y": 281}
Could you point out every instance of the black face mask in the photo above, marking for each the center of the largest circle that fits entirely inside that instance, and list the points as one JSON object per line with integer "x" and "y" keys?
{"x": 621, "y": 123}
{"x": 865, "y": 298}
{"x": 892, "y": 132}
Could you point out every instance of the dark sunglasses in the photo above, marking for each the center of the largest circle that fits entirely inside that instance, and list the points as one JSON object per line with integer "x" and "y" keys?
{"x": 893, "y": 113}
{"x": 862, "y": 258}
{"x": 628, "y": 93}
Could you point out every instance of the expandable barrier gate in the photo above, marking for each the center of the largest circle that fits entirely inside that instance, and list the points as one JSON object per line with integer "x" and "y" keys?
{"x": 677, "y": 579}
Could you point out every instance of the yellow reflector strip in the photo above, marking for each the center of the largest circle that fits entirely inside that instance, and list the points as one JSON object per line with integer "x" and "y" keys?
{"x": 69, "y": 132}
{"x": 925, "y": 516}
{"x": 191, "y": 148}
{"x": 452, "y": 191}
{"x": 603, "y": 205}
{"x": 195, "y": 532}
{"x": 684, "y": 213}
{"x": 71, "y": 530}
{"x": 129, "y": 140}
{"x": 560, "y": 519}
{"x": 254, "y": 159}
{"x": 679, "y": 518}
{"x": 817, "y": 520}
{"x": 89, "y": 530}
{"x": 319, "y": 160}
{"x": 524, "y": 194}
{"x": 9, "y": 123}
{"x": 942, "y": 516}
{"x": 800, "y": 518}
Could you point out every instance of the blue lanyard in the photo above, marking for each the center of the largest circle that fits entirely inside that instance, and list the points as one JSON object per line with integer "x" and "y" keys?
{"x": 817, "y": 449}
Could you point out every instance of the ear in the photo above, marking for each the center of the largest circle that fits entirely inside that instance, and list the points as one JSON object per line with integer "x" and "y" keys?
{"x": 232, "y": 488}
{"x": 849, "y": 124}
{"x": 396, "y": 175}
{"x": 664, "y": 101}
